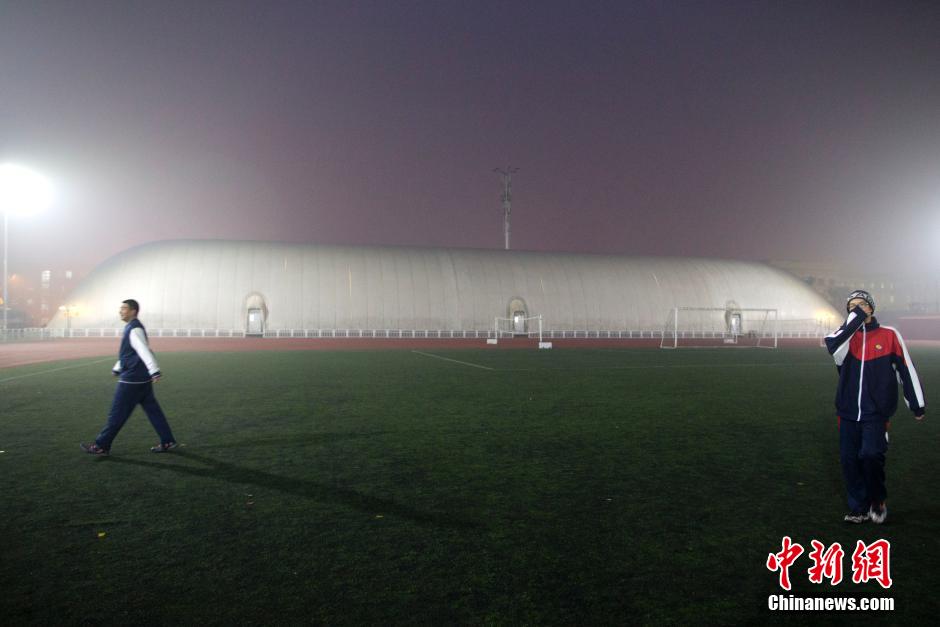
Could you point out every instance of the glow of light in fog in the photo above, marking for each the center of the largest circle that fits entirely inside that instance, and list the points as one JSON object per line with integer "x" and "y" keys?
{"x": 23, "y": 191}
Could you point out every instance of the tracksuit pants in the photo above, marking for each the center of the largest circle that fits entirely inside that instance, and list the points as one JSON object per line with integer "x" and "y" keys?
{"x": 862, "y": 447}
{"x": 126, "y": 397}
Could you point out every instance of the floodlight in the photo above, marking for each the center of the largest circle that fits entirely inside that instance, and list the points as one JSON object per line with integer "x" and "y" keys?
{"x": 22, "y": 191}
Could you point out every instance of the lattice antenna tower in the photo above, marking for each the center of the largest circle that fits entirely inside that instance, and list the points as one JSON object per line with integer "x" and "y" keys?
{"x": 507, "y": 197}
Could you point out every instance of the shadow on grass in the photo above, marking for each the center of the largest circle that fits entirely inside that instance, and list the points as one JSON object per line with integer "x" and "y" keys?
{"x": 294, "y": 440}
{"x": 231, "y": 473}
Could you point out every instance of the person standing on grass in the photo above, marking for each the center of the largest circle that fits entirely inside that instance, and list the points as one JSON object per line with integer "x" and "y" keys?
{"x": 137, "y": 371}
{"x": 871, "y": 360}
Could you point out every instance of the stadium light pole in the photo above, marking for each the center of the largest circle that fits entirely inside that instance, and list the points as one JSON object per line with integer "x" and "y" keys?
{"x": 507, "y": 198}
{"x": 22, "y": 192}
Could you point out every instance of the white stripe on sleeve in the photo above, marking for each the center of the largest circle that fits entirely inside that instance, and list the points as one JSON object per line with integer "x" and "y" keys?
{"x": 839, "y": 354}
{"x": 915, "y": 380}
{"x": 139, "y": 344}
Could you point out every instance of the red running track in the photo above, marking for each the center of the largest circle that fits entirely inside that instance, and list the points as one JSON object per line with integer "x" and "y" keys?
{"x": 23, "y": 353}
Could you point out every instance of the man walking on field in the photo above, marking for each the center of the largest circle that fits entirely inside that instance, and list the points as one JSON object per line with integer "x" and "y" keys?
{"x": 871, "y": 360}
{"x": 138, "y": 371}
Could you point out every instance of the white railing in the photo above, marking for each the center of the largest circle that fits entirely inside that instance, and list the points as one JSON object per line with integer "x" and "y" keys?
{"x": 40, "y": 334}
{"x": 378, "y": 333}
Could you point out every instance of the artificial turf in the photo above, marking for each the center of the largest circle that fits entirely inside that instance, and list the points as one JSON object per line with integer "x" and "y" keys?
{"x": 391, "y": 487}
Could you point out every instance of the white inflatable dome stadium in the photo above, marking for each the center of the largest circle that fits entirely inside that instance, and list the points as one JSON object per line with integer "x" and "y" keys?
{"x": 248, "y": 286}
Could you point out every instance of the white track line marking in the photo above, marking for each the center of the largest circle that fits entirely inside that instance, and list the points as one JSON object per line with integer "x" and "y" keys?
{"x": 456, "y": 361}
{"x": 36, "y": 374}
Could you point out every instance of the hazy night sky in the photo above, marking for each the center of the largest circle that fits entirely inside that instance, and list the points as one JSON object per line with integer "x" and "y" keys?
{"x": 750, "y": 130}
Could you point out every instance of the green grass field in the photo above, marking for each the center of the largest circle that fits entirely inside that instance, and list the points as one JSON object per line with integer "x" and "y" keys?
{"x": 519, "y": 487}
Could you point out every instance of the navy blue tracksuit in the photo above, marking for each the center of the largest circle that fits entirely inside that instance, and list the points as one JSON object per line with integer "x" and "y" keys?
{"x": 871, "y": 360}
{"x": 137, "y": 368}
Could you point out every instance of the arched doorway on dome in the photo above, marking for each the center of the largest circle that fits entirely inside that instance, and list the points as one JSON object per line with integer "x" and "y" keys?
{"x": 518, "y": 312}
{"x": 256, "y": 315}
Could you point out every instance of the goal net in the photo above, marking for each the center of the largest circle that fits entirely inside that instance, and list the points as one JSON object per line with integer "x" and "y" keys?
{"x": 698, "y": 327}
{"x": 519, "y": 326}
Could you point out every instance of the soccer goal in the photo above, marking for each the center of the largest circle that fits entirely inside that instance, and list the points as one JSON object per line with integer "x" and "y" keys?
{"x": 699, "y": 327}
{"x": 520, "y": 326}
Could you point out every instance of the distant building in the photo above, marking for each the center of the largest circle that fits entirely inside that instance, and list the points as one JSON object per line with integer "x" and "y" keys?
{"x": 895, "y": 294}
{"x": 54, "y": 289}
{"x": 36, "y": 299}
{"x": 22, "y": 295}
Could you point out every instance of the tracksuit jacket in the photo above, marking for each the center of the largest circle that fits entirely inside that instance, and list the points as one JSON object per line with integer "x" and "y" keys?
{"x": 872, "y": 360}
{"x": 136, "y": 363}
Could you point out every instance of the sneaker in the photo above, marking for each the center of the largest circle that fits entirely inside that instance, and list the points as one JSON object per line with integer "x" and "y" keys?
{"x": 163, "y": 447}
{"x": 878, "y": 515}
{"x": 93, "y": 449}
{"x": 857, "y": 517}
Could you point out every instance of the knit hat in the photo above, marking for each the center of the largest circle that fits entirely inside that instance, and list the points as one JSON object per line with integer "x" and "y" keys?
{"x": 865, "y": 296}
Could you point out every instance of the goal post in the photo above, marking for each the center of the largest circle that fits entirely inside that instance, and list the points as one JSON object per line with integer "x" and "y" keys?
{"x": 702, "y": 327}
{"x": 519, "y": 326}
